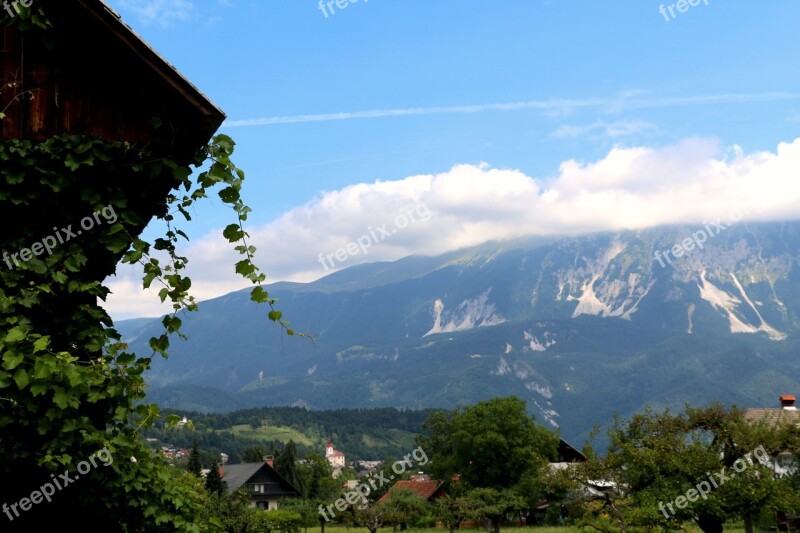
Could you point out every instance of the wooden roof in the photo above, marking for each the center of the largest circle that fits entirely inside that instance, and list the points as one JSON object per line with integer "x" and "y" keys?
{"x": 155, "y": 61}
{"x": 569, "y": 454}
{"x": 101, "y": 79}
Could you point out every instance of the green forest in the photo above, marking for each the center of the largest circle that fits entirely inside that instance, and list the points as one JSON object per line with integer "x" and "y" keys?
{"x": 361, "y": 434}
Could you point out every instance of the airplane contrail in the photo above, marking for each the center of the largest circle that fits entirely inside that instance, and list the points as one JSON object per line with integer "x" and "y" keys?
{"x": 615, "y": 104}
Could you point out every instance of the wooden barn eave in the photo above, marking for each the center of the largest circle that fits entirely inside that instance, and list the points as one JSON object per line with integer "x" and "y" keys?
{"x": 156, "y": 62}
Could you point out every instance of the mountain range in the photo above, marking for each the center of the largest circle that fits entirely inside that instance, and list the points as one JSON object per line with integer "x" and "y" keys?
{"x": 582, "y": 327}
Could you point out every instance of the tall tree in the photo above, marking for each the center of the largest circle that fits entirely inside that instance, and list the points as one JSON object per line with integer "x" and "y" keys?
{"x": 494, "y": 505}
{"x": 254, "y": 454}
{"x": 194, "y": 460}
{"x": 214, "y": 483}
{"x": 316, "y": 477}
{"x": 453, "y": 510}
{"x": 286, "y": 465}
{"x": 404, "y": 506}
{"x": 373, "y": 517}
{"x": 308, "y": 511}
{"x": 492, "y": 444}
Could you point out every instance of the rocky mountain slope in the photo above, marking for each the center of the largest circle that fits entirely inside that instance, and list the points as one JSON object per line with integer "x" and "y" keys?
{"x": 581, "y": 327}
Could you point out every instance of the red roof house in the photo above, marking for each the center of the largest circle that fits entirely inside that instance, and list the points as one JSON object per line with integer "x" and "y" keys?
{"x": 426, "y": 489}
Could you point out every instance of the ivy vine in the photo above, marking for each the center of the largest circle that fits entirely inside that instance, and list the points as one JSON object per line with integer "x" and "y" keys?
{"x": 69, "y": 386}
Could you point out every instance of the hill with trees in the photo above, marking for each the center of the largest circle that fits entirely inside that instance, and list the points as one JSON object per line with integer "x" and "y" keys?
{"x": 361, "y": 434}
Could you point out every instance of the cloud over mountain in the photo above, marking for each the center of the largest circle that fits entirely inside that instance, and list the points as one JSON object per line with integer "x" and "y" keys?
{"x": 694, "y": 181}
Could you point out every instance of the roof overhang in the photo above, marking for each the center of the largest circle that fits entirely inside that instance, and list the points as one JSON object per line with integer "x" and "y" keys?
{"x": 104, "y": 14}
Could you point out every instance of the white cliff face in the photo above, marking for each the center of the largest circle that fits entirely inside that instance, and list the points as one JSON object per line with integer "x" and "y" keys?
{"x": 599, "y": 290}
{"x": 741, "y": 275}
{"x": 729, "y": 305}
{"x": 474, "y": 313}
{"x": 502, "y": 369}
{"x": 548, "y": 413}
{"x": 535, "y": 345}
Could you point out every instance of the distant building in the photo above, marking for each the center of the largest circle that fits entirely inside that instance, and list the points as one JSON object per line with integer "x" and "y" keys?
{"x": 419, "y": 484}
{"x": 569, "y": 457}
{"x": 783, "y": 464}
{"x": 369, "y": 466}
{"x": 334, "y": 457}
{"x": 265, "y": 485}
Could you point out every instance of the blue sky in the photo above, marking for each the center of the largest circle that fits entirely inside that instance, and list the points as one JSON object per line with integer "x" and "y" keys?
{"x": 486, "y": 113}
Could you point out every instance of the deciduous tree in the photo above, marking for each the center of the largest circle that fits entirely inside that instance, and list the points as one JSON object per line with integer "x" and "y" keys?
{"x": 492, "y": 444}
{"x": 705, "y": 464}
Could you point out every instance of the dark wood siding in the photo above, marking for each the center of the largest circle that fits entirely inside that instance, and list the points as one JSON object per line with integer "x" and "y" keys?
{"x": 91, "y": 75}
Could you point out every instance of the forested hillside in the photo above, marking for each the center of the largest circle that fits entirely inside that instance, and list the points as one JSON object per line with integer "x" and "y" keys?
{"x": 362, "y": 434}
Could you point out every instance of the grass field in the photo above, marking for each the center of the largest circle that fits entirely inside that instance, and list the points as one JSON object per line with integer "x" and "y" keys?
{"x": 280, "y": 433}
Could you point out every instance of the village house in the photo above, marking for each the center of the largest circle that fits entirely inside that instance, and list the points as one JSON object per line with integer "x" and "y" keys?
{"x": 264, "y": 484}
{"x": 335, "y": 458}
{"x": 785, "y": 463}
{"x": 420, "y": 484}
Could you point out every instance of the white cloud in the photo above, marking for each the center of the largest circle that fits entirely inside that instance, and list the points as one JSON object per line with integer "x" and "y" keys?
{"x": 163, "y": 12}
{"x": 637, "y": 187}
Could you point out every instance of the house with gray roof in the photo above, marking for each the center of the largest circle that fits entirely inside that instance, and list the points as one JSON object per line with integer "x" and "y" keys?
{"x": 785, "y": 463}
{"x": 264, "y": 484}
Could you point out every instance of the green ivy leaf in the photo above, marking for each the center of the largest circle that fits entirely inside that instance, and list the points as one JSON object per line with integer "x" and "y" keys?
{"x": 245, "y": 267}
{"x": 229, "y": 195}
{"x": 41, "y": 370}
{"x": 21, "y": 378}
{"x": 12, "y": 360}
{"x": 259, "y": 295}
{"x": 17, "y": 334}
{"x": 233, "y": 233}
{"x": 41, "y": 344}
{"x": 61, "y": 398}
{"x": 172, "y": 323}
{"x": 126, "y": 359}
